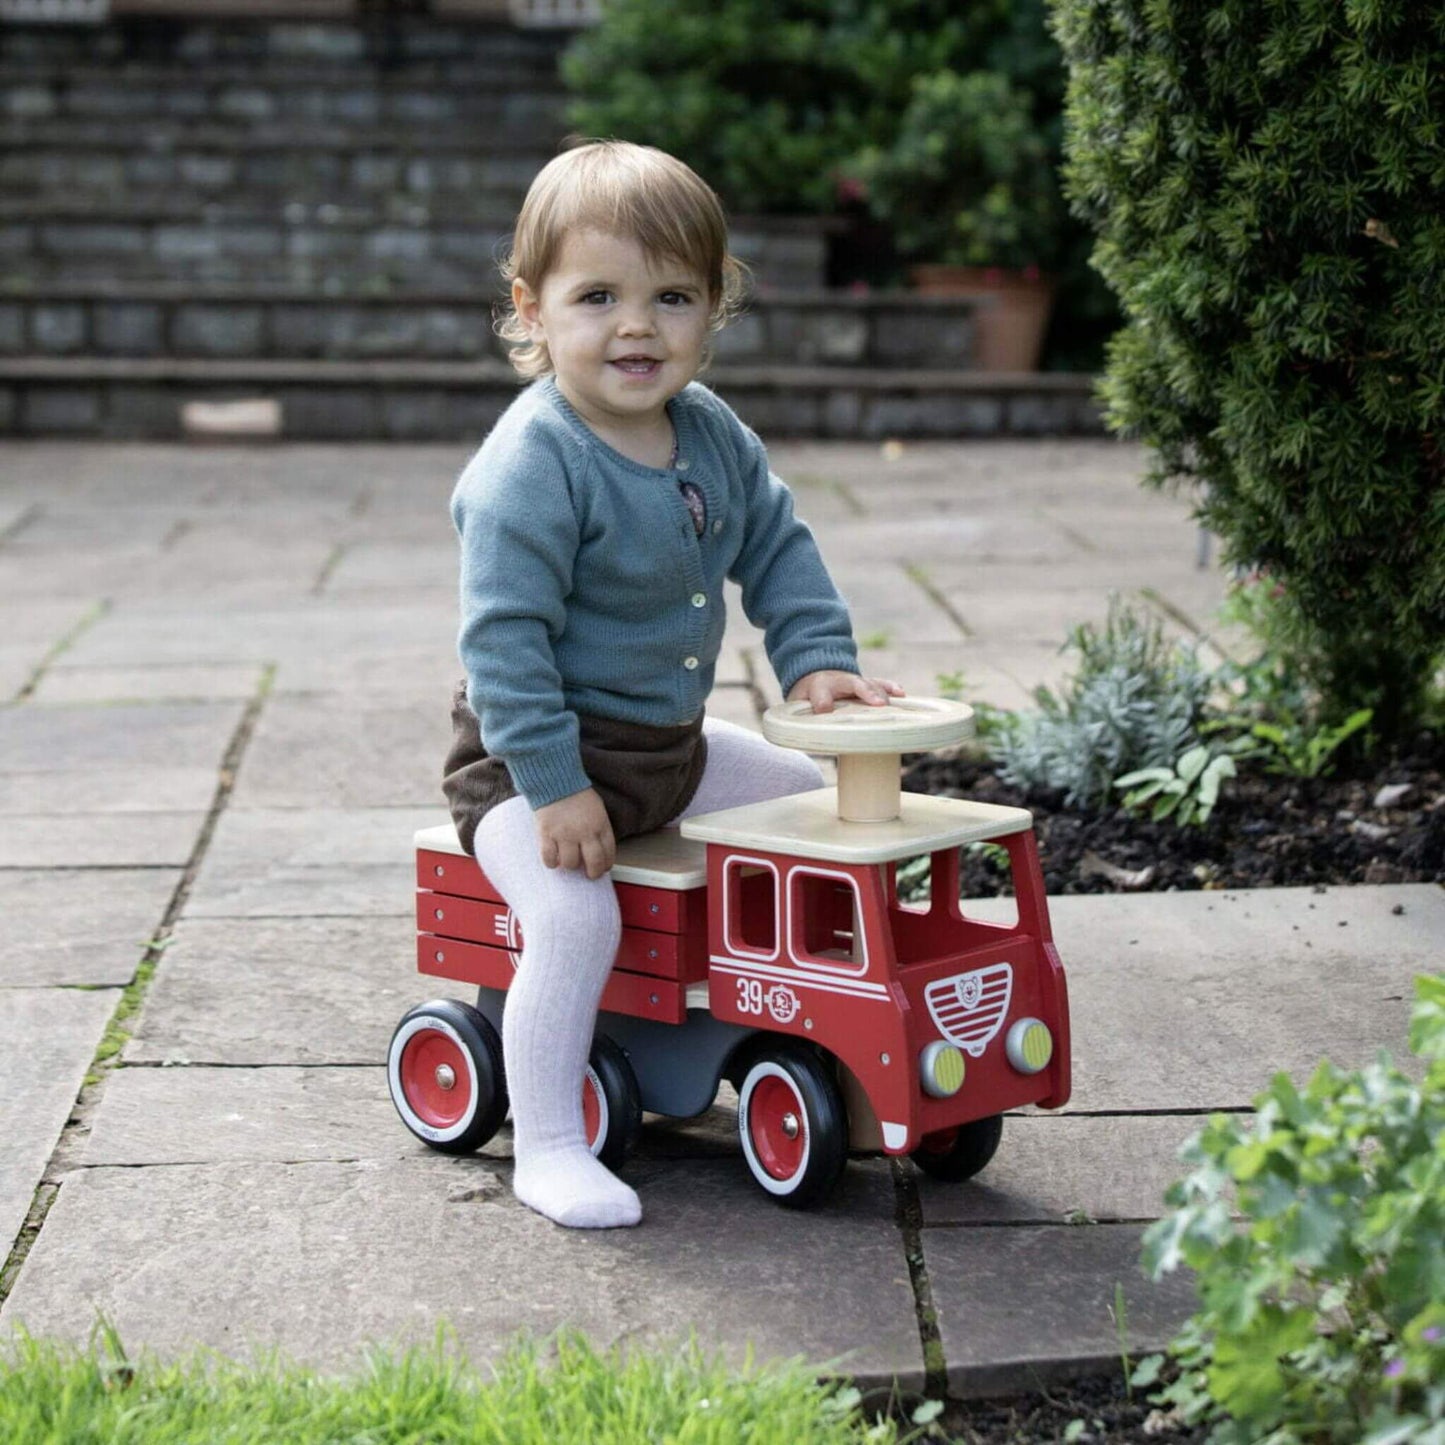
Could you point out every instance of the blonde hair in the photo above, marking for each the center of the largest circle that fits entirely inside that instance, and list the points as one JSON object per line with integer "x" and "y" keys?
{"x": 625, "y": 190}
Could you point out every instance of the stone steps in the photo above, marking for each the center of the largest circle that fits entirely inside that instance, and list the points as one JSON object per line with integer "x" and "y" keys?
{"x": 310, "y": 215}
{"x": 271, "y": 45}
{"x": 279, "y": 322}
{"x": 264, "y": 166}
{"x": 458, "y": 401}
{"x": 235, "y": 94}
{"x": 382, "y": 243}
{"x": 526, "y": 135}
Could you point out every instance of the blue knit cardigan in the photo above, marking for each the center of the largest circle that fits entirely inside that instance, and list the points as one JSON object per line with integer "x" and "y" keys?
{"x": 585, "y": 587}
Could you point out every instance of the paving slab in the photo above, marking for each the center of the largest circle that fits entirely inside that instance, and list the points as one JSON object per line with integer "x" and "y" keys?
{"x": 427, "y": 564}
{"x": 151, "y": 635}
{"x": 339, "y": 750}
{"x": 195, "y": 683}
{"x": 283, "y": 991}
{"x": 296, "y": 862}
{"x": 196, "y": 1114}
{"x": 1046, "y": 616}
{"x": 1186, "y": 1001}
{"x": 1020, "y": 1307}
{"x": 886, "y": 604}
{"x": 110, "y": 787}
{"x": 44, "y": 621}
{"x": 926, "y": 669}
{"x": 61, "y": 739}
{"x": 1053, "y": 1168}
{"x": 79, "y": 926}
{"x": 99, "y": 571}
{"x": 282, "y": 1115}
{"x": 17, "y": 669}
{"x": 428, "y": 671}
{"x": 318, "y": 1259}
{"x": 48, "y": 1037}
{"x": 99, "y": 840}
{"x": 254, "y": 557}
{"x": 965, "y": 538}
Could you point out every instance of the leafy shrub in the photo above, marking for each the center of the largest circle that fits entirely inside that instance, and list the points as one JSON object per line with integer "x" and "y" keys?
{"x": 1135, "y": 702}
{"x": 968, "y": 179}
{"x": 1264, "y": 179}
{"x": 769, "y": 99}
{"x": 1270, "y": 703}
{"x": 1321, "y": 1316}
{"x": 1188, "y": 791}
{"x": 774, "y": 102}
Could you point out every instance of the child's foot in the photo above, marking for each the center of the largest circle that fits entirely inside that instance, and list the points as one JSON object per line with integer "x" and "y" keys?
{"x": 571, "y": 1187}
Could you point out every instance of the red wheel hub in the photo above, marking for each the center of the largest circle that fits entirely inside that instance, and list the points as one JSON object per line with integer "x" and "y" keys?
{"x": 591, "y": 1108}
{"x": 436, "y": 1078}
{"x": 778, "y": 1126}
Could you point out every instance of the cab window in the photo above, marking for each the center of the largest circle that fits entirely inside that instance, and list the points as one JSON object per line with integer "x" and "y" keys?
{"x": 826, "y": 928}
{"x": 750, "y": 907}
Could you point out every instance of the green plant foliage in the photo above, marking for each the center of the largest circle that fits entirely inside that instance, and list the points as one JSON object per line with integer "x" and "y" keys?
{"x": 1321, "y": 1317}
{"x": 1188, "y": 791}
{"x": 1264, "y": 177}
{"x": 968, "y": 179}
{"x": 50, "y": 1395}
{"x": 769, "y": 100}
{"x": 778, "y": 104}
{"x": 1136, "y": 701}
{"x": 1271, "y": 710}
{"x": 1301, "y": 753}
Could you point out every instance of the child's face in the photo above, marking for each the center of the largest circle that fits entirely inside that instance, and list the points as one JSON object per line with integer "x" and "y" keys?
{"x": 625, "y": 331}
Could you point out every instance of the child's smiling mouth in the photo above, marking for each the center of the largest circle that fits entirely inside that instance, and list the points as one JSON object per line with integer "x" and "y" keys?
{"x": 637, "y": 365}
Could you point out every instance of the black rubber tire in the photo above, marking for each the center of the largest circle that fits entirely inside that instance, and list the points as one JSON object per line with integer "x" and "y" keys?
{"x": 965, "y": 1154}
{"x": 610, "y": 1065}
{"x": 457, "y": 1034}
{"x": 795, "y": 1081}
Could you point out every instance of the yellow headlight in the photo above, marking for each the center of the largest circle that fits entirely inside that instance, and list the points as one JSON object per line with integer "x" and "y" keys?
{"x": 941, "y": 1069}
{"x": 1030, "y": 1046}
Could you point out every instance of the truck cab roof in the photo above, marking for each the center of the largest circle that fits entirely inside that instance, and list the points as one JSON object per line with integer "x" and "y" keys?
{"x": 807, "y": 825}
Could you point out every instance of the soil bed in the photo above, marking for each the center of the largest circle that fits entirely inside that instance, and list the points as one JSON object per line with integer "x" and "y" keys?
{"x": 1107, "y": 1413}
{"x": 1384, "y": 826}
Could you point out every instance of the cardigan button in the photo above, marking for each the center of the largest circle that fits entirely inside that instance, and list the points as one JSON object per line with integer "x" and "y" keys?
{"x": 717, "y": 527}
{"x": 690, "y": 663}
{"x": 699, "y": 599}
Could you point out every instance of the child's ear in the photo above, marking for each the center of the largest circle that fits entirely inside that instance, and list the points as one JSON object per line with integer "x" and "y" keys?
{"x": 525, "y": 304}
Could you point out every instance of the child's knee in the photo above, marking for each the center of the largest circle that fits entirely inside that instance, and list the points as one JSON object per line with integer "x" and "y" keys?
{"x": 802, "y": 773}
{"x": 573, "y": 910}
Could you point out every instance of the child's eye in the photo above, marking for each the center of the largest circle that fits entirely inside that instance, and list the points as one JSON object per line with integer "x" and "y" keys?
{"x": 676, "y": 298}
{"x": 596, "y": 298}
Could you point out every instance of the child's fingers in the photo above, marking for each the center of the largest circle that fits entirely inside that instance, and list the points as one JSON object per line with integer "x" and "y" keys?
{"x": 597, "y": 856}
{"x": 875, "y": 691}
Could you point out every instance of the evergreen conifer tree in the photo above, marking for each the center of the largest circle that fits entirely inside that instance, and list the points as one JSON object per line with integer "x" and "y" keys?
{"x": 1266, "y": 180}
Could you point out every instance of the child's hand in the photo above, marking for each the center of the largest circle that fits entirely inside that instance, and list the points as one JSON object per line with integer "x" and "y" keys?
{"x": 823, "y": 689}
{"x": 575, "y": 833}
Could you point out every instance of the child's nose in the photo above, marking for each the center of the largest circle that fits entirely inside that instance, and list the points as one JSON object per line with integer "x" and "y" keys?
{"x": 635, "y": 321}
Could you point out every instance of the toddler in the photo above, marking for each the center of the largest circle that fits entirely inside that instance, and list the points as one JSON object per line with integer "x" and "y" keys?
{"x": 598, "y": 523}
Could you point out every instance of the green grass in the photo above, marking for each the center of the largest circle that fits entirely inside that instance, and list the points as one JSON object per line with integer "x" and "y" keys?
{"x": 561, "y": 1393}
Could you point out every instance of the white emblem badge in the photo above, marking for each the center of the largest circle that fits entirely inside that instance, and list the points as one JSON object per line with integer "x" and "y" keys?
{"x": 783, "y": 1003}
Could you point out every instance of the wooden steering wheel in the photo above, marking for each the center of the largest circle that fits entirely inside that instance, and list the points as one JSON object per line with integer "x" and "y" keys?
{"x": 869, "y": 743}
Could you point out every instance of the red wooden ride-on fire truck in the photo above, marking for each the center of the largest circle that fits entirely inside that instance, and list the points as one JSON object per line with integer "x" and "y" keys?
{"x": 768, "y": 945}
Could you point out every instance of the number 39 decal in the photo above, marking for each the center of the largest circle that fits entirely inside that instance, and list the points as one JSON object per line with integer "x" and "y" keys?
{"x": 781, "y": 1001}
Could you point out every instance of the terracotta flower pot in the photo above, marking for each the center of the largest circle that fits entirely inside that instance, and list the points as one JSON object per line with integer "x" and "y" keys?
{"x": 1011, "y": 326}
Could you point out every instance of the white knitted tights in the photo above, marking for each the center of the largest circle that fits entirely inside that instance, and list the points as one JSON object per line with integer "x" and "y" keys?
{"x": 570, "y": 932}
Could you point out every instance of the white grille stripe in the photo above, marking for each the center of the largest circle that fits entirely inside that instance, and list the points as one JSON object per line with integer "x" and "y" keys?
{"x": 969, "y": 1008}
